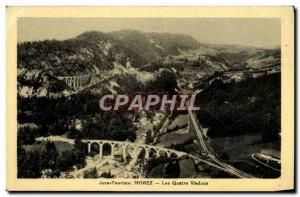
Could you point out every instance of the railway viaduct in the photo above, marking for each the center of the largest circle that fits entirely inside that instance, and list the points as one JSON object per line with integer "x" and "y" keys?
{"x": 125, "y": 148}
{"x": 76, "y": 81}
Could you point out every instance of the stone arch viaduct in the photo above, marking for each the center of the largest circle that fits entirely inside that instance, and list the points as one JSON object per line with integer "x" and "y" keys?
{"x": 76, "y": 81}
{"x": 125, "y": 149}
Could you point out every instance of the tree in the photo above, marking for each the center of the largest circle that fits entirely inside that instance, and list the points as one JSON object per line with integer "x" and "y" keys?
{"x": 26, "y": 135}
{"x": 29, "y": 165}
{"x": 92, "y": 174}
{"x": 107, "y": 175}
{"x": 49, "y": 157}
{"x": 172, "y": 169}
{"x": 166, "y": 81}
{"x": 80, "y": 153}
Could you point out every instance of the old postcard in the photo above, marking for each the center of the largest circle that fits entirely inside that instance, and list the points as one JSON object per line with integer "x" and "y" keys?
{"x": 150, "y": 98}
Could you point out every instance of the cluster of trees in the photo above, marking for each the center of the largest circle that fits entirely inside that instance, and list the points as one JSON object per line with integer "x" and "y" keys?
{"x": 53, "y": 117}
{"x": 110, "y": 125}
{"x": 129, "y": 85}
{"x": 54, "y": 85}
{"x": 93, "y": 174}
{"x": 61, "y": 57}
{"x": 251, "y": 106}
{"x": 43, "y": 110}
{"x": 41, "y": 79}
{"x": 162, "y": 168}
{"x": 166, "y": 81}
{"x": 32, "y": 164}
{"x": 26, "y": 135}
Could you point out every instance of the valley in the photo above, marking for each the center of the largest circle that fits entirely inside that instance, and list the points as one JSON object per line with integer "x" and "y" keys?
{"x": 60, "y": 84}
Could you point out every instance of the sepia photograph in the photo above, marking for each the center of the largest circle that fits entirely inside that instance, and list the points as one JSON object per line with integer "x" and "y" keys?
{"x": 184, "y": 100}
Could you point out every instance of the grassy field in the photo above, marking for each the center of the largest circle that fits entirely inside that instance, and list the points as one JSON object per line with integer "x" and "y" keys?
{"x": 179, "y": 122}
{"x": 175, "y": 139}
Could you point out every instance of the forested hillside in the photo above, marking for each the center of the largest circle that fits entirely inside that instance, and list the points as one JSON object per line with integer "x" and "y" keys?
{"x": 251, "y": 106}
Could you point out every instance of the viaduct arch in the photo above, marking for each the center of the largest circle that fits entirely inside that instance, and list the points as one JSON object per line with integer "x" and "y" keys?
{"x": 125, "y": 149}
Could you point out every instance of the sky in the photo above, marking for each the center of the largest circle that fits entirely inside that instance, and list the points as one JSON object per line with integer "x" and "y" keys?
{"x": 256, "y": 32}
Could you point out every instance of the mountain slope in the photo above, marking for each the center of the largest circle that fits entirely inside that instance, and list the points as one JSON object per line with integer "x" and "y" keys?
{"x": 74, "y": 56}
{"x": 82, "y": 54}
{"x": 155, "y": 45}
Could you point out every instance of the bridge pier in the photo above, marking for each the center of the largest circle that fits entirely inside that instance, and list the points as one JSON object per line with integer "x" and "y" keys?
{"x": 147, "y": 153}
{"x": 157, "y": 153}
{"x": 168, "y": 154}
{"x": 112, "y": 150}
{"x": 89, "y": 148}
{"x": 135, "y": 154}
{"x": 100, "y": 150}
{"x": 124, "y": 152}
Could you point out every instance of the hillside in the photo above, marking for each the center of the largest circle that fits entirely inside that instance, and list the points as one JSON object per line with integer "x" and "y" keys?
{"x": 155, "y": 45}
{"x": 251, "y": 106}
{"x": 75, "y": 56}
{"x": 92, "y": 51}
{"x": 137, "y": 54}
{"x": 82, "y": 54}
{"x": 210, "y": 58}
